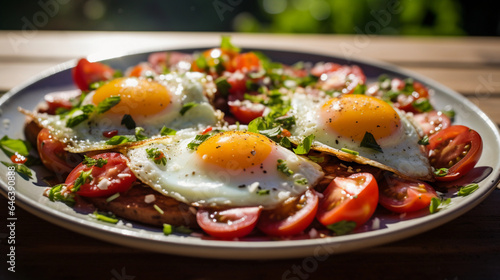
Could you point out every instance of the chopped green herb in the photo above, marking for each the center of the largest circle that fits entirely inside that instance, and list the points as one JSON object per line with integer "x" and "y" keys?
{"x": 441, "y": 172}
{"x": 167, "y": 131}
{"x": 76, "y": 120}
{"x": 96, "y": 85}
{"x": 12, "y": 146}
{"x": 438, "y": 204}
{"x": 201, "y": 62}
{"x": 424, "y": 141}
{"x": 409, "y": 88}
{"x": 304, "y": 147}
{"x": 117, "y": 74}
{"x": 390, "y": 95}
{"x": 56, "y": 194}
{"x": 359, "y": 89}
{"x": 226, "y": 44}
{"x": 285, "y": 142}
{"x": 370, "y": 142}
{"x": 85, "y": 177}
{"x": 263, "y": 192}
{"x": 89, "y": 162}
{"x": 157, "y": 156}
{"x": 105, "y": 217}
{"x": 449, "y": 113}
{"x": 302, "y": 181}
{"x": 157, "y": 208}
{"x": 128, "y": 121}
{"x": 422, "y": 105}
{"x": 343, "y": 227}
{"x": 198, "y": 139}
{"x": 183, "y": 229}
{"x": 345, "y": 150}
{"x": 119, "y": 139}
{"x": 21, "y": 169}
{"x": 186, "y": 107}
{"x": 167, "y": 229}
{"x": 316, "y": 159}
{"x": 468, "y": 189}
{"x": 139, "y": 135}
{"x": 223, "y": 86}
{"x": 284, "y": 168}
{"x": 113, "y": 197}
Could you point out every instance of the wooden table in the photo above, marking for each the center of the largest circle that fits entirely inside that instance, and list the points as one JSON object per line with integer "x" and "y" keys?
{"x": 466, "y": 248}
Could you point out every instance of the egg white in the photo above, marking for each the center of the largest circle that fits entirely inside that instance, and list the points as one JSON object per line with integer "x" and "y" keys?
{"x": 189, "y": 179}
{"x": 401, "y": 152}
{"x": 184, "y": 88}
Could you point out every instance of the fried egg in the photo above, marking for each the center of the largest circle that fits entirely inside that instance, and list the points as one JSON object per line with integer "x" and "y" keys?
{"x": 229, "y": 169}
{"x": 340, "y": 124}
{"x": 176, "y": 101}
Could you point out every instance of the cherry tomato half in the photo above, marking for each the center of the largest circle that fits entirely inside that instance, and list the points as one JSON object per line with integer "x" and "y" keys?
{"x": 85, "y": 73}
{"x": 352, "y": 198}
{"x": 402, "y": 196}
{"x": 116, "y": 173}
{"x": 230, "y": 223}
{"x": 457, "y": 149}
{"x": 246, "y": 113}
{"x": 53, "y": 155}
{"x": 291, "y": 218}
{"x": 245, "y": 62}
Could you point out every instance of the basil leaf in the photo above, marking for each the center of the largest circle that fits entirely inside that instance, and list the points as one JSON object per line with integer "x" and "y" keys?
{"x": 304, "y": 147}
{"x": 186, "y": 107}
{"x": 128, "y": 121}
{"x": 107, "y": 104}
{"x": 370, "y": 142}
{"x": 74, "y": 121}
{"x": 167, "y": 131}
{"x": 13, "y": 146}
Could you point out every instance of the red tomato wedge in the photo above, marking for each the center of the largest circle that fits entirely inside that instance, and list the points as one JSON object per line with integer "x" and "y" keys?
{"x": 245, "y": 62}
{"x": 454, "y": 151}
{"x": 432, "y": 122}
{"x": 85, "y": 73}
{"x": 402, "y": 196}
{"x": 230, "y": 223}
{"x": 352, "y": 198}
{"x": 113, "y": 177}
{"x": 291, "y": 218}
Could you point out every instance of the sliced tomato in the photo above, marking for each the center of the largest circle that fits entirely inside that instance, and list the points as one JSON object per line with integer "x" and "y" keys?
{"x": 245, "y": 62}
{"x": 113, "y": 177}
{"x": 405, "y": 100}
{"x": 213, "y": 58}
{"x": 323, "y": 68}
{"x": 291, "y": 218}
{"x": 246, "y": 113}
{"x": 165, "y": 60}
{"x": 343, "y": 78}
{"x": 432, "y": 122}
{"x": 53, "y": 155}
{"x": 352, "y": 198}
{"x": 402, "y": 196}
{"x": 230, "y": 223}
{"x": 455, "y": 151}
{"x": 85, "y": 73}
{"x": 238, "y": 82}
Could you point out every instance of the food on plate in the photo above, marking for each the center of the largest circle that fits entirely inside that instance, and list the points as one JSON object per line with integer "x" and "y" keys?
{"x": 228, "y": 144}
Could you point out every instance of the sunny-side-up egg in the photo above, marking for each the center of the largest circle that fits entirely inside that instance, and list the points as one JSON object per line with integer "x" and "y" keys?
{"x": 176, "y": 101}
{"x": 340, "y": 124}
{"x": 229, "y": 169}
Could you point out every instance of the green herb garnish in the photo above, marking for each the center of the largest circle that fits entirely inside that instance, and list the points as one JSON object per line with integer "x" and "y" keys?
{"x": 105, "y": 217}
{"x": 438, "y": 204}
{"x": 85, "y": 177}
{"x": 304, "y": 147}
{"x": 198, "y": 139}
{"x": 468, "y": 189}
{"x": 56, "y": 194}
{"x": 223, "y": 86}
{"x": 302, "y": 181}
{"x": 263, "y": 192}
{"x": 89, "y": 162}
{"x": 343, "y": 227}
{"x": 284, "y": 168}
{"x": 186, "y": 107}
{"x": 139, "y": 135}
{"x": 422, "y": 105}
{"x": 113, "y": 197}
{"x": 424, "y": 141}
{"x": 345, "y": 150}
{"x": 128, "y": 121}
{"x": 156, "y": 156}
{"x": 21, "y": 169}
{"x": 120, "y": 139}
{"x": 370, "y": 142}
{"x": 441, "y": 172}
{"x": 167, "y": 131}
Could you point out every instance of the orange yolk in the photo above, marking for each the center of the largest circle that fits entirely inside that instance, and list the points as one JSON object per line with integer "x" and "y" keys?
{"x": 235, "y": 149}
{"x": 352, "y": 116}
{"x": 138, "y": 96}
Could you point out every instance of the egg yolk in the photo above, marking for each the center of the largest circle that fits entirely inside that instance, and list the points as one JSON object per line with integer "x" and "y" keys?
{"x": 235, "y": 149}
{"x": 352, "y": 116}
{"x": 137, "y": 96}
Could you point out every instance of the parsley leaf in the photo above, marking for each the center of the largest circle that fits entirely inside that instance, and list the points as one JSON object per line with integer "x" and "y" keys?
{"x": 59, "y": 193}
{"x": 422, "y": 105}
{"x": 128, "y": 121}
{"x": 89, "y": 162}
{"x": 304, "y": 147}
{"x": 120, "y": 139}
{"x": 424, "y": 141}
{"x": 107, "y": 104}
{"x": 198, "y": 139}
{"x": 370, "y": 142}
{"x": 157, "y": 156}
{"x": 85, "y": 177}
{"x": 139, "y": 134}
{"x": 76, "y": 120}
{"x": 438, "y": 204}
{"x": 468, "y": 189}
{"x": 223, "y": 86}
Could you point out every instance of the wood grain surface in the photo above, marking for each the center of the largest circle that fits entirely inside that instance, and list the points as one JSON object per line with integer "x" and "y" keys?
{"x": 465, "y": 248}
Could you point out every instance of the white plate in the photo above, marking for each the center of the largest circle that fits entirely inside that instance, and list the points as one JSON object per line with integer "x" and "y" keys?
{"x": 392, "y": 227}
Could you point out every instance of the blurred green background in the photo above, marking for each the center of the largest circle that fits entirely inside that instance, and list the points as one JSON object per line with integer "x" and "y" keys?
{"x": 397, "y": 17}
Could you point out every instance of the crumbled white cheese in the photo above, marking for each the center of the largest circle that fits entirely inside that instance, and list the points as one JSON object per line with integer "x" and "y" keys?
{"x": 313, "y": 233}
{"x": 253, "y": 187}
{"x": 376, "y": 223}
{"x": 149, "y": 198}
{"x": 123, "y": 175}
{"x": 104, "y": 184}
